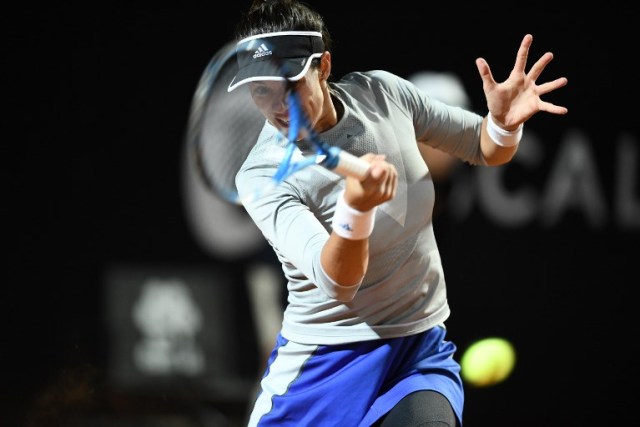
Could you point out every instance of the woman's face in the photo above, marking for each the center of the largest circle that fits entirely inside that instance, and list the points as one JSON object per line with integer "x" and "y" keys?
{"x": 270, "y": 98}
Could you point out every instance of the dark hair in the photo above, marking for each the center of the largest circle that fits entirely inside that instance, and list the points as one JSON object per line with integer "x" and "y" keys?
{"x": 266, "y": 16}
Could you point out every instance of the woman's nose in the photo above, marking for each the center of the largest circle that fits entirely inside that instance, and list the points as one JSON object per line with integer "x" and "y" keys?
{"x": 279, "y": 105}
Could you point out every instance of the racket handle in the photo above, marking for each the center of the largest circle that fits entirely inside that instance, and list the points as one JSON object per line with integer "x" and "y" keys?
{"x": 346, "y": 164}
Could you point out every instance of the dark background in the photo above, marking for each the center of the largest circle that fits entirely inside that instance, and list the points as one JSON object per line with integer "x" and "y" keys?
{"x": 99, "y": 97}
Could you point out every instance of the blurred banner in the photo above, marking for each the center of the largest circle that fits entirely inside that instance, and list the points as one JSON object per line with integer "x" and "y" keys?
{"x": 173, "y": 331}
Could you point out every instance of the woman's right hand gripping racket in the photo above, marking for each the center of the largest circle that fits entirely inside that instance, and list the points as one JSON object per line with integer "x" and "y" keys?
{"x": 225, "y": 122}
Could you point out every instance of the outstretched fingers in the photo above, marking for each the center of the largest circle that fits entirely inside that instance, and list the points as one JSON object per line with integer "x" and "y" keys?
{"x": 540, "y": 65}
{"x": 552, "y": 108}
{"x": 519, "y": 96}
{"x": 485, "y": 73}
{"x": 519, "y": 67}
{"x": 523, "y": 54}
{"x": 551, "y": 86}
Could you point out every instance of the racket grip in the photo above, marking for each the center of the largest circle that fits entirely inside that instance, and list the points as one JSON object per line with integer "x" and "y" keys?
{"x": 346, "y": 164}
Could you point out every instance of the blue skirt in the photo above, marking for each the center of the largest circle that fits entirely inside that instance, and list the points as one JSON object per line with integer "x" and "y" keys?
{"x": 354, "y": 384}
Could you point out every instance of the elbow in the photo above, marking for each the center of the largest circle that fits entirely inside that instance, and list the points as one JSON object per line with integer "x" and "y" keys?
{"x": 498, "y": 160}
{"x": 343, "y": 293}
{"x": 338, "y": 291}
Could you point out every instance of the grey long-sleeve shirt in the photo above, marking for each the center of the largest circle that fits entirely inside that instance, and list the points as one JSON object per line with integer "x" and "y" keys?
{"x": 403, "y": 291}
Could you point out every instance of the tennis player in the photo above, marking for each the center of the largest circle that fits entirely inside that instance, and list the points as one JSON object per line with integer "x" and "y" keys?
{"x": 363, "y": 340}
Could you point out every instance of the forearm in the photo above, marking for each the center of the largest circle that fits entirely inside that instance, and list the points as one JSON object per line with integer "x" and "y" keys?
{"x": 345, "y": 260}
{"x": 345, "y": 255}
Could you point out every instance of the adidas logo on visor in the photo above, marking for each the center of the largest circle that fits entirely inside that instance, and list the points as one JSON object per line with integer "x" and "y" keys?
{"x": 262, "y": 50}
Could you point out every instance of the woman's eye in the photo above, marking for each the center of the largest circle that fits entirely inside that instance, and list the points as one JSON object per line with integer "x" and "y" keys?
{"x": 260, "y": 91}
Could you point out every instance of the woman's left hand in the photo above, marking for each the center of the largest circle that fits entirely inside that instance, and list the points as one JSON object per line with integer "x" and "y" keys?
{"x": 517, "y": 99}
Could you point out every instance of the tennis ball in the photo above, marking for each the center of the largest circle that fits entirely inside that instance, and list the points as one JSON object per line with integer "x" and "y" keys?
{"x": 487, "y": 362}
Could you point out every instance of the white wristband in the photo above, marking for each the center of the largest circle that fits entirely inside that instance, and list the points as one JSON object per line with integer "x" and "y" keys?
{"x": 351, "y": 223}
{"x": 501, "y": 137}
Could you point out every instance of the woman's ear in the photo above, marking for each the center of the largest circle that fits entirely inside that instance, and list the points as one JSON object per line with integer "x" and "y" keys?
{"x": 325, "y": 65}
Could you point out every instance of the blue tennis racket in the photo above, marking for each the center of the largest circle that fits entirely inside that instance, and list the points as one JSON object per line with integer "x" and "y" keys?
{"x": 224, "y": 127}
